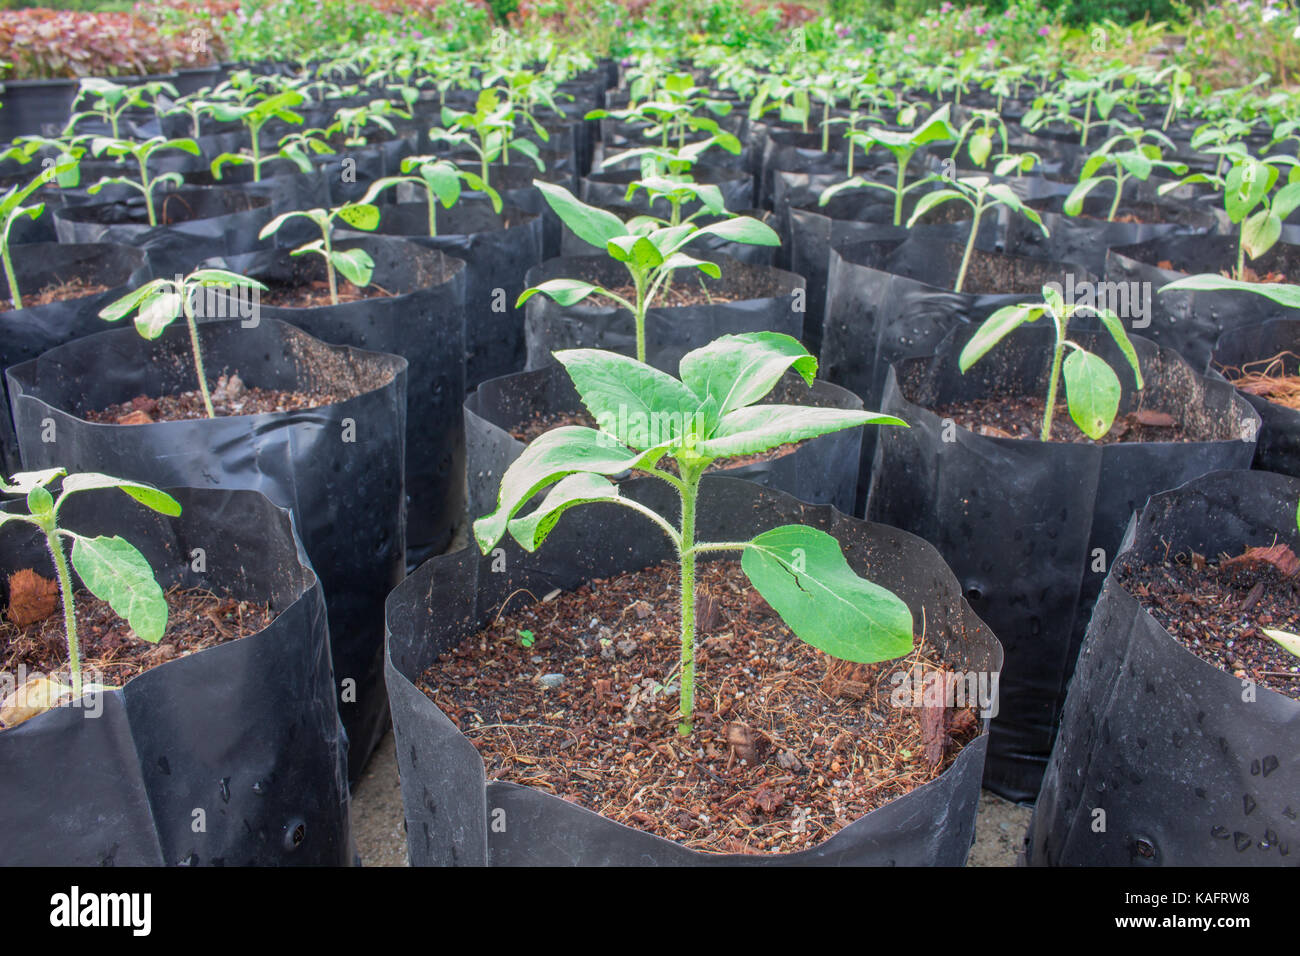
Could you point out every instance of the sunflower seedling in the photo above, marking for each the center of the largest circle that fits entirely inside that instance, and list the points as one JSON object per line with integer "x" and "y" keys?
{"x": 441, "y": 180}
{"x": 650, "y": 251}
{"x": 355, "y": 264}
{"x": 142, "y": 153}
{"x": 110, "y": 567}
{"x": 158, "y": 303}
{"x": 709, "y": 414}
{"x": 1092, "y": 389}
{"x": 11, "y": 208}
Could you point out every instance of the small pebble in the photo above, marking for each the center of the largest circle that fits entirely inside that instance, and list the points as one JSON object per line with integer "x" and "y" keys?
{"x": 552, "y": 680}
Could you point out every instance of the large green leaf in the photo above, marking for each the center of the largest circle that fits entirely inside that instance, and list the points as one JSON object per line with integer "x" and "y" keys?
{"x": 756, "y": 428}
{"x": 802, "y": 573}
{"x": 640, "y": 405}
{"x": 554, "y": 455}
{"x": 738, "y": 370}
{"x": 564, "y": 291}
{"x": 115, "y": 571}
{"x": 743, "y": 229}
{"x": 594, "y": 226}
{"x": 1092, "y": 391}
{"x": 147, "y": 495}
{"x": 1284, "y": 295}
{"x": 531, "y": 530}
{"x": 994, "y": 329}
{"x": 1116, "y": 329}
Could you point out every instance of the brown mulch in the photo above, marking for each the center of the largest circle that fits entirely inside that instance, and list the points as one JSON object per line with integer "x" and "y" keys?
{"x": 1216, "y": 607}
{"x": 1019, "y": 416}
{"x": 1268, "y": 379}
{"x": 315, "y": 294}
{"x": 537, "y": 425}
{"x": 789, "y": 745}
{"x": 229, "y": 397}
{"x": 74, "y": 288}
{"x": 110, "y": 651}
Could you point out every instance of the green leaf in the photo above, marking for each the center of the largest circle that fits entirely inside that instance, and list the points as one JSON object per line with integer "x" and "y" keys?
{"x": 127, "y": 304}
{"x": 355, "y": 264}
{"x": 157, "y": 312}
{"x": 581, "y": 488}
{"x": 115, "y": 571}
{"x": 443, "y": 180}
{"x": 147, "y": 495}
{"x": 360, "y": 216}
{"x": 744, "y": 229}
{"x": 1073, "y": 204}
{"x": 1289, "y": 641}
{"x": 1092, "y": 391}
{"x": 994, "y": 329}
{"x": 564, "y": 291}
{"x": 638, "y": 404}
{"x": 981, "y": 144}
{"x": 802, "y": 573}
{"x": 637, "y": 251}
{"x": 932, "y": 199}
{"x": 756, "y": 428}
{"x": 738, "y": 370}
{"x": 594, "y": 226}
{"x": 1259, "y": 232}
{"x": 222, "y": 278}
{"x": 1284, "y": 295}
{"x": 1116, "y": 329}
{"x": 555, "y": 455}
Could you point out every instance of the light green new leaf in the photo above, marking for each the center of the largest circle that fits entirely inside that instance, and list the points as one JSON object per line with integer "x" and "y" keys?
{"x": 802, "y": 573}
{"x": 994, "y": 329}
{"x": 147, "y": 495}
{"x": 1284, "y": 295}
{"x": 756, "y": 428}
{"x": 640, "y": 405}
{"x": 157, "y": 312}
{"x": 360, "y": 216}
{"x": 743, "y": 229}
{"x": 564, "y": 291}
{"x": 738, "y": 370}
{"x": 1092, "y": 391}
{"x": 531, "y": 530}
{"x": 115, "y": 571}
{"x": 355, "y": 264}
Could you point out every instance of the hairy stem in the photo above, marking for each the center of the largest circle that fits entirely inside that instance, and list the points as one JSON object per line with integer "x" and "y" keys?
{"x": 148, "y": 190}
{"x": 1058, "y": 356}
{"x": 970, "y": 243}
{"x": 69, "y": 609}
{"x": 193, "y": 324}
{"x": 691, "y": 477}
{"x": 15, "y": 299}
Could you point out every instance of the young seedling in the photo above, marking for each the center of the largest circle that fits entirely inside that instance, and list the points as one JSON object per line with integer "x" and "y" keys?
{"x": 158, "y": 303}
{"x": 707, "y": 415}
{"x": 1092, "y": 389}
{"x": 110, "y": 567}
{"x": 673, "y": 113}
{"x": 142, "y": 153}
{"x": 254, "y": 115}
{"x": 441, "y": 180}
{"x": 355, "y": 264}
{"x": 1247, "y": 201}
{"x": 293, "y": 147}
{"x": 488, "y": 131}
{"x": 903, "y": 145}
{"x": 350, "y": 122}
{"x": 649, "y": 251}
{"x": 110, "y": 100}
{"x": 978, "y": 133}
{"x": 1123, "y": 157}
{"x": 981, "y": 194}
{"x": 11, "y": 208}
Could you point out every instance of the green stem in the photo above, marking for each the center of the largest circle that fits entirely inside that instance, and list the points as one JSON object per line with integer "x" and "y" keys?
{"x": 1057, "y": 357}
{"x": 1119, "y": 192}
{"x": 641, "y": 304}
{"x": 257, "y": 153}
{"x": 1241, "y": 254}
{"x": 148, "y": 191}
{"x": 15, "y": 299}
{"x": 691, "y": 479}
{"x": 826, "y": 129}
{"x": 1087, "y": 120}
{"x": 898, "y": 189}
{"x": 69, "y": 609}
{"x": 970, "y": 243}
{"x": 433, "y": 211}
{"x": 198, "y": 354}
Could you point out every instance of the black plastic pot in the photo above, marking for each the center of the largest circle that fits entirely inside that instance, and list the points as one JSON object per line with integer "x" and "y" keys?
{"x": 821, "y": 471}
{"x": 246, "y": 732}
{"x": 420, "y": 321}
{"x": 338, "y": 467}
{"x": 888, "y": 300}
{"x": 197, "y": 224}
{"x": 773, "y": 302}
{"x": 1086, "y": 238}
{"x": 1278, "y": 448}
{"x": 498, "y": 250}
{"x": 1184, "y": 763}
{"x": 449, "y": 805}
{"x": 1030, "y": 527}
{"x": 1192, "y": 322}
{"x": 26, "y": 333}
{"x": 31, "y": 104}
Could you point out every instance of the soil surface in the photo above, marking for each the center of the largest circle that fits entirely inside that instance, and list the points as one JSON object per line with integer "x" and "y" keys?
{"x": 1021, "y": 416}
{"x": 1215, "y": 609}
{"x": 110, "y": 651}
{"x": 229, "y": 397}
{"x": 539, "y": 424}
{"x": 682, "y": 290}
{"x": 789, "y": 745}
{"x": 313, "y": 295}
{"x": 74, "y": 288}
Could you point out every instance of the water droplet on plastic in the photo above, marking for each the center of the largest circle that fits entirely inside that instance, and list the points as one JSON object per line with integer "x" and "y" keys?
{"x": 225, "y": 789}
